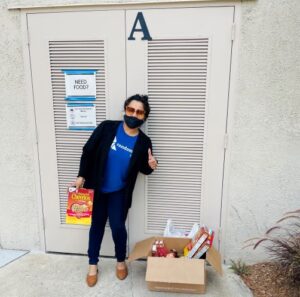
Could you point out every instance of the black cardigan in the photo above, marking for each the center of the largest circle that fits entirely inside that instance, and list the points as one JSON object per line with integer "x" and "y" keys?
{"x": 95, "y": 152}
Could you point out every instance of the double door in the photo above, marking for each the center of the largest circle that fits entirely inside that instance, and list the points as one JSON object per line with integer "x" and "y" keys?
{"x": 180, "y": 57}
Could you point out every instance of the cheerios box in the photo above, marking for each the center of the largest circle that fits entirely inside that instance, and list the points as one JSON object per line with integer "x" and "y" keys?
{"x": 80, "y": 206}
{"x": 181, "y": 275}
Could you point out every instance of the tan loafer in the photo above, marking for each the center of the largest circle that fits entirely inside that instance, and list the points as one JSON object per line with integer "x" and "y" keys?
{"x": 91, "y": 280}
{"x": 121, "y": 273}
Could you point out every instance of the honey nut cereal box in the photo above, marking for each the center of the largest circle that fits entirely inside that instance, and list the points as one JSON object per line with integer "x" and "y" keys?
{"x": 80, "y": 206}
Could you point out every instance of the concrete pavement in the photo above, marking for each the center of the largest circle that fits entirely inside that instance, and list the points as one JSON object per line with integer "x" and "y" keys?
{"x": 38, "y": 274}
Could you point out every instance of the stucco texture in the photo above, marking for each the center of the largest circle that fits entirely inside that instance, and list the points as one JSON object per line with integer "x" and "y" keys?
{"x": 264, "y": 146}
{"x": 263, "y": 168}
{"x": 19, "y": 228}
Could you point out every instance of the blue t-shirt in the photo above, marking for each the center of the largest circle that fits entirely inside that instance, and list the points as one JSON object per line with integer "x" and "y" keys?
{"x": 118, "y": 161}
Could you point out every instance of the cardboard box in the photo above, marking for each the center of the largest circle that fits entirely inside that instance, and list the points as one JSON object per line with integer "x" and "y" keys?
{"x": 181, "y": 275}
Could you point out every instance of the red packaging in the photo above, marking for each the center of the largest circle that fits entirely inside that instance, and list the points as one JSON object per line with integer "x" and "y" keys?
{"x": 80, "y": 206}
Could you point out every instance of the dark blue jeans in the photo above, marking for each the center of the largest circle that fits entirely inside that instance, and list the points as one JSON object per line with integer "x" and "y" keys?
{"x": 112, "y": 206}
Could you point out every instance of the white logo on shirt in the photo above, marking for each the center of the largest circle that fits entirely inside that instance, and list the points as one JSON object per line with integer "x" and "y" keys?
{"x": 113, "y": 145}
{"x": 125, "y": 148}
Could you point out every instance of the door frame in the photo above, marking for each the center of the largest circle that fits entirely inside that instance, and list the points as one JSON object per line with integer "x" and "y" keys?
{"x": 231, "y": 98}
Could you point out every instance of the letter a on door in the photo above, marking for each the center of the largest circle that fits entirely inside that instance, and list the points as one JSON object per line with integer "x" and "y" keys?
{"x": 144, "y": 28}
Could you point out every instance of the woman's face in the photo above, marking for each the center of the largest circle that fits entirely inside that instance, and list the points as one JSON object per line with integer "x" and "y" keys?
{"x": 135, "y": 109}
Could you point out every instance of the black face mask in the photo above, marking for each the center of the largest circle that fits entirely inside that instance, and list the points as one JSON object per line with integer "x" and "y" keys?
{"x": 132, "y": 122}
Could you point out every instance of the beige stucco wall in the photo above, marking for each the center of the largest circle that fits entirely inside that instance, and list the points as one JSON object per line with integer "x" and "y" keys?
{"x": 262, "y": 165}
{"x": 265, "y": 143}
{"x": 19, "y": 228}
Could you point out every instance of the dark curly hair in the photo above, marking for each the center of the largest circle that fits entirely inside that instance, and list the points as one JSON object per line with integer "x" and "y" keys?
{"x": 141, "y": 98}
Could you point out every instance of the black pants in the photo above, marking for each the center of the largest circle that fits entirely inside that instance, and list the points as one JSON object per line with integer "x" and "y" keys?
{"x": 112, "y": 206}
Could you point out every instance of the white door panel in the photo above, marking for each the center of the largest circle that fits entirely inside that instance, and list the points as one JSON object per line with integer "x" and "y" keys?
{"x": 185, "y": 71}
{"x": 77, "y": 40}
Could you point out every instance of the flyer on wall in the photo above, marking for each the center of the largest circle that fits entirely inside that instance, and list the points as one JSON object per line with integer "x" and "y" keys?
{"x": 81, "y": 116}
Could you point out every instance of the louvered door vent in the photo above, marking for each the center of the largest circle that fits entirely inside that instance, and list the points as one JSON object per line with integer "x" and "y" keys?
{"x": 177, "y": 82}
{"x": 83, "y": 54}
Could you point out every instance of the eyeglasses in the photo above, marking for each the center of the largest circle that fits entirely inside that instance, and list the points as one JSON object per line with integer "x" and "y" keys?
{"x": 130, "y": 111}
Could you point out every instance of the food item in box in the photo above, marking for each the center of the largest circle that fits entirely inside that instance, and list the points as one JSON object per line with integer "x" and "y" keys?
{"x": 205, "y": 246}
{"x": 186, "y": 251}
{"x": 172, "y": 254}
{"x": 210, "y": 237}
{"x": 159, "y": 249}
{"x": 162, "y": 251}
{"x": 201, "y": 251}
{"x": 197, "y": 236}
{"x": 154, "y": 249}
{"x": 202, "y": 237}
{"x": 194, "y": 241}
{"x": 198, "y": 244}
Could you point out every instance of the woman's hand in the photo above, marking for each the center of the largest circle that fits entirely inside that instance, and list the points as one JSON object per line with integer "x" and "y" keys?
{"x": 151, "y": 160}
{"x": 79, "y": 182}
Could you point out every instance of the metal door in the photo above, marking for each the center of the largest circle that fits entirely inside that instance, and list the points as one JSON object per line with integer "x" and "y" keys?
{"x": 72, "y": 40}
{"x": 181, "y": 58}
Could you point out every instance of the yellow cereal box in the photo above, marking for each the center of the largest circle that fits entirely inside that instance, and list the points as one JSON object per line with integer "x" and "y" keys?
{"x": 80, "y": 206}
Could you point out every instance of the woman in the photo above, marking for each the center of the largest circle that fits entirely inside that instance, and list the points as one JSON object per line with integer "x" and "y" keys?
{"x": 110, "y": 162}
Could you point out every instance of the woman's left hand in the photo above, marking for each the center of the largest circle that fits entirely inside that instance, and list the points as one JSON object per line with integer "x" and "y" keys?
{"x": 151, "y": 160}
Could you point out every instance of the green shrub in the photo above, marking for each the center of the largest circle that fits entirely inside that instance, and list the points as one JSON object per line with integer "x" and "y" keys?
{"x": 239, "y": 267}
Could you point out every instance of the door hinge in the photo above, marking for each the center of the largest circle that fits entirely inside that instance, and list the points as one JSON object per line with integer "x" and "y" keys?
{"x": 233, "y": 29}
{"x": 226, "y": 141}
